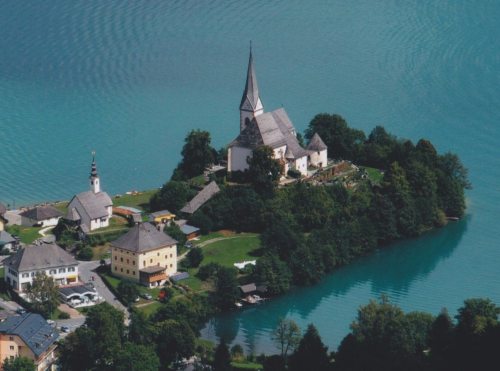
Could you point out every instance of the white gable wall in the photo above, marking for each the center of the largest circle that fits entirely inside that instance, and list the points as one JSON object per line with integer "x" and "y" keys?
{"x": 237, "y": 158}
{"x": 301, "y": 165}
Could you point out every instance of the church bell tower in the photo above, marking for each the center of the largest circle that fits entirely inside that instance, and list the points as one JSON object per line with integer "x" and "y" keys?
{"x": 95, "y": 185}
{"x": 251, "y": 104}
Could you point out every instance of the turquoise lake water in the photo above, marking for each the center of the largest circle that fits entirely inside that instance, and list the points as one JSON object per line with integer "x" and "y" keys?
{"x": 129, "y": 79}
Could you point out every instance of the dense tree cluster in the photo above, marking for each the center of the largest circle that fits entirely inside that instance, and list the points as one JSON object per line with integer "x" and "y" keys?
{"x": 150, "y": 344}
{"x": 309, "y": 230}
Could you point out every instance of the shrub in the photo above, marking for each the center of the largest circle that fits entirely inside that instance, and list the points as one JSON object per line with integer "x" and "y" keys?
{"x": 207, "y": 271}
{"x": 195, "y": 257}
{"x": 294, "y": 173}
{"x": 85, "y": 253}
{"x": 63, "y": 315}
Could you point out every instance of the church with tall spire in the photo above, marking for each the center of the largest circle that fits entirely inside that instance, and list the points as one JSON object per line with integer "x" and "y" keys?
{"x": 273, "y": 129}
{"x": 91, "y": 209}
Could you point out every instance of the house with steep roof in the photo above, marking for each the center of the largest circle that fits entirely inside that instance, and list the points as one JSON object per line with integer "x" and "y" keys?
{"x": 30, "y": 336}
{"x": 7, "y": 241}
{"x": 41, "y": 216}
{"x": 145, "y": 255}
{"x": 48, "y": 258}
{"x": 210, "y": 190}
{"x": 273, "y": 129}
{"x": 92, "y": 209}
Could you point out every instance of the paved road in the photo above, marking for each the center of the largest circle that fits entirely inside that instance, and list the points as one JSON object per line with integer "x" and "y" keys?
{"x": 72, "y": 324}
{"x": 10, "y": 306}
{"x": 86, "y": 272}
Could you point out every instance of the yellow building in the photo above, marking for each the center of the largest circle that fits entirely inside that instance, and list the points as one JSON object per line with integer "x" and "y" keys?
{"x": 145, "y": 255}
{"x": 163, "y": 216}
{"x": 29, "y": 335}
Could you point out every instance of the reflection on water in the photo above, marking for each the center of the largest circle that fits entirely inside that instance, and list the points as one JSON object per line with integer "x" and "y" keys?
{"x": 332, "y": 303}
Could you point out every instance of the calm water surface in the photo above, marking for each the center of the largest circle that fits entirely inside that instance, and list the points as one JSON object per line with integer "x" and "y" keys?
{"x": 129, "y": 79}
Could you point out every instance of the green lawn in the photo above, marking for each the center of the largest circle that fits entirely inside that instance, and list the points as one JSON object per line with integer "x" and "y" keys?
{"x": 111, "y": 280}
{"x": 246, "y": 366}
{"x": 237, "y": 249}
{"x": 207, "y": 237}
{"x": 62, "y": 206}
{"x": 26, "y": 234}
{"x": 139, "y": 201}
{"x": 150, "y": 308}
{"x": 375, "y": 175}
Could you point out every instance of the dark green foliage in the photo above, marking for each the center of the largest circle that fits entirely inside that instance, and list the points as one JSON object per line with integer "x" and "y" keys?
{"x": 195, "y": 257}
{"x": 274, "y": 363}
{"x": 172, "y": 196}
{"x": 208, "y": 271}
{"x": 63, "y": 315}
{"x": 175, "y": 232}
{"x": 197, "y": 154}
{"x": 294, "y": 173}
{"x": 43, "y": 295}
{"x": 133, "y": 357}
{"x": 128, "y": 291}
{"x": 222, "y": 358}
{"x": 226, "y": 288}
{"x": 85, "y": 253}
{"x": 192, "y": 310}
{"x": 311, "y": 353}
{"x": 273, "y": 273}
{"x": 96, "y": 345}
{"x": 263, "y": 170}
{"x": 18, "y": 364}
{"x": 140, "y": 330}
{"x": 174, "y": 340}
{"x": 342, "y": 141}
{"x": 202, "y": 221}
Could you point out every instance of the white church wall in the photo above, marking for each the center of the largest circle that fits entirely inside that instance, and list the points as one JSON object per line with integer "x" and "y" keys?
{"x": 238, "y": 158}
{"x": 301, "y": 165}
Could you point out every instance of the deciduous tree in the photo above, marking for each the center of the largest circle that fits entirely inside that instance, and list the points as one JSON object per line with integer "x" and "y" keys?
{"x": 43, "y": 294}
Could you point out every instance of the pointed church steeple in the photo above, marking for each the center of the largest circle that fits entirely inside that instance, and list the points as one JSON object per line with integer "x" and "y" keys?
{"x": 95, "y": 185}
{"x": 251, "y": 104}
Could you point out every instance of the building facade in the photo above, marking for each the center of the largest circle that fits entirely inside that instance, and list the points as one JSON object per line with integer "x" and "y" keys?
{"x": 145, "y": 255}
{"x": 47, "y": 258}
{"x": 92, "y": 209}
{"x": 273, "y": 129}
{"x": 42, "y": 216}
{"x": 30, "y": 336}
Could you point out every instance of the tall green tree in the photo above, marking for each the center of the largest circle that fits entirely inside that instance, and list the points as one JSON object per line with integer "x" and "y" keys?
{"x": 311, "y": 353}
{"x": 273, "y": 273}
{"x": 222, "y": 357}
{"x": 286, "y": 336}
{"x": 174, "y": 340}
{"x": 197, "y": 154}
{"x": 342, "y": 141}
{"x": 226, "y": 288}
{"x": 133, "y": 357}
{"x": 172, "y": 196}
{"x": 128, "y": 291}
{"x": 18, "y": 364}
{"x": 43, "y": 294}
{"x": 263, "y": 170}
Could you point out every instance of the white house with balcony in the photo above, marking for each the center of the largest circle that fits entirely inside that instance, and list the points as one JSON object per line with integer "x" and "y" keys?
{"x": 47, "y": 258}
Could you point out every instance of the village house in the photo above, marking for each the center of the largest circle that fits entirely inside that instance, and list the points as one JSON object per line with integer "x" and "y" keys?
{"x": 7, "y": 242}
{"x": 29, "y": 335}
{"x": 273, "y": 129}
{"x": 48, "y": 258}
{"x": 41, "y": 216}
{"x": 92, "y": 209}
{"x": 161, "y": 217}
{"x": 144, "y": 255}
{"x": 191, "y": 232}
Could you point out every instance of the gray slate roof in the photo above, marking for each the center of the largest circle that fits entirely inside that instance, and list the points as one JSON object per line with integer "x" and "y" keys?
{"x": 316, "y": 143}
{"x": 273, "y": 129}
{"x": 143, "y": 237}
{"x": 153, "y": 269}
{"x": 72, "y": 215}
{"x": 3, "y": 209}
{"x": 32, "y": 329}
{"x": 210, "y": 190}
{"x": 43, "y": 256}
{"x": 95, "y": 204}
{"x": 40, "y": 213}
{"x": 188, "y": 229}
{"x": 6, "y": 237}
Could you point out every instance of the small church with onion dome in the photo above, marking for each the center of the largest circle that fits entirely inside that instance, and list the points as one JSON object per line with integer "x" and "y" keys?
{"x": 273, "y": 129}
{"x": 92, "y": 209}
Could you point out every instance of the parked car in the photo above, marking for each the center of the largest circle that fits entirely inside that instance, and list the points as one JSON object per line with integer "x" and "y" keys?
{"x": 147, "y": 296}
{"x": 20, "y": 310}
{"x": 50, "y": 322}
{"x": 65, "y": 329}
{"x": 137, "y": 299}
